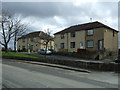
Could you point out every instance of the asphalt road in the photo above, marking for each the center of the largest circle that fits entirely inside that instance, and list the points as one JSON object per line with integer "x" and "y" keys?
{"x": 16, "y": 74}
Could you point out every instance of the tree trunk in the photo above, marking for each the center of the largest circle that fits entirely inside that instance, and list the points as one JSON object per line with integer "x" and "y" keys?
{"x": 6, "y": 48}
{"x": 15, "y": 39}
{"x": 46, "y": 48}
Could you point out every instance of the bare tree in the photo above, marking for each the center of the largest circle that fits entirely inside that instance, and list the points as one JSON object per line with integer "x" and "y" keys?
{"x": 20, "y": 29}
{"x": 46, "y": 38}
{"x": 11, "y": 27}
{"x": 7, "y": 31}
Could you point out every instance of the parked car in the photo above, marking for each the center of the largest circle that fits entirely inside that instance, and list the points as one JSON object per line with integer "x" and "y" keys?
{"x": 117, "y": 60}
{"x": 43, "y": 51}
{"x": 53, "y": 51}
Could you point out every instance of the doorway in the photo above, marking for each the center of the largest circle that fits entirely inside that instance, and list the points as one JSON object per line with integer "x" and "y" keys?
{"x": 100, "y": 44}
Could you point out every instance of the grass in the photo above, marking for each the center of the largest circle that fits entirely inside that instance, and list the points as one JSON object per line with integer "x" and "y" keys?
{"x": 16, "y": 54}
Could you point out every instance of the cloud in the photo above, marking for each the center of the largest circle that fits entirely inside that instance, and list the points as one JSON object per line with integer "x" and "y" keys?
{"x": 67, "y": 11}
{"x": 60, "y": 15}
{"x": 39, "y": 9}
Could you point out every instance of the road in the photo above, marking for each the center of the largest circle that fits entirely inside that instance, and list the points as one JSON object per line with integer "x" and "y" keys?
{"x": 16, "y": 74}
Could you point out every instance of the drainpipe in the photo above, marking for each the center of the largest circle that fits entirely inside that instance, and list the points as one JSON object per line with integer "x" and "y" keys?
{"x": 67, "y": 43}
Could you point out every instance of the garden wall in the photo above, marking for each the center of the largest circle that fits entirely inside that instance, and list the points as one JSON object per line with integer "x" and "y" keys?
{"x": 78, "y": 64}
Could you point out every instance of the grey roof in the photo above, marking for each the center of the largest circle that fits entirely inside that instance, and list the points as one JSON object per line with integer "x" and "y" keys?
{"x": 40, "y": 34}
{"x": 86, "y": 26}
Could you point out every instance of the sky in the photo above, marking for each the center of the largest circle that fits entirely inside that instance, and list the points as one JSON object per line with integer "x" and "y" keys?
{"x": 59, "y": 15}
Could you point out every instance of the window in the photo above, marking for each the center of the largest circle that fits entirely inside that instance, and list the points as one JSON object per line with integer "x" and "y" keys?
{"x": 31, "y": 47}
{"x": 90, "y": 43}
{"x": 89, "y": 32}
{"x": 62, "y": 45}
{"x": 62, "y": 36}
{"x": 23, "y": 47}
{"x": 23, "y": 40}
{"x": 72, "y": 44}
{"x": 72, "y": 34}
{"x": 31, "y": 39}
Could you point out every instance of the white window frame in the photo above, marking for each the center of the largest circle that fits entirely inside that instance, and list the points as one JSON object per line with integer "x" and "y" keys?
{"x": 90, "y": 32}
{"x": 90, "y": 43}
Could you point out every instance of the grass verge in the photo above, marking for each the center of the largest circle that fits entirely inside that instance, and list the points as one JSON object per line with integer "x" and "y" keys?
{"x": 16, "y": 54}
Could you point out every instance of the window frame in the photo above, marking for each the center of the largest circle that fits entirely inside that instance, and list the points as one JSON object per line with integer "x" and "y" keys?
{"x": 89, "y": 33}
{"x": 62, "y": 45}
{"x": 31, "y": 39}
{"x": 72, "y": 34}
{"x": 23, "y": 40}
{"x": 72, "y": 45}
{"x": 89, "y": 45}
{"x": 62, "y": 36}
{"x": 23, "y": 47}
{"x": 31, "y": 47}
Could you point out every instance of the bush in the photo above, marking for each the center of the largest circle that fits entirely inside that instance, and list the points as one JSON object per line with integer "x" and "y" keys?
{"x": 85, "y": 54}
{"x": 23, "y": 50}
{"x": 9, "y": 49}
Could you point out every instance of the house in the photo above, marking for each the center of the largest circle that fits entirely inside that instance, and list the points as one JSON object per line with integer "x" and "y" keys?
{"x": 92, "y": 36}
{"x": 34, "y": 41}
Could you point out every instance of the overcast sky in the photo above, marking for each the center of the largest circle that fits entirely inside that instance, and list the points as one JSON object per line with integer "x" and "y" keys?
{"x": 59, "y": 15}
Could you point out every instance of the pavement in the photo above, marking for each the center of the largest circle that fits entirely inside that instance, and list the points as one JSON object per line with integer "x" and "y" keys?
{"x": 18, "y": 74}
{"x": 59, "y": 66}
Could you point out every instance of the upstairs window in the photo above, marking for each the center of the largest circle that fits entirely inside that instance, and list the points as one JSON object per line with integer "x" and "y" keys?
{"x": 23, "y": 40}
{"x": 89, "y": 32}
{"x": 62, "y": 36}
{"x": 72, "y": 44}
{"x": 31, "y": 39}
{"x": 72, "y": 34}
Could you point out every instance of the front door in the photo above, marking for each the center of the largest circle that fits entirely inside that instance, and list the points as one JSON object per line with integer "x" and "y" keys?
{"x": 100, "y": 45}
{"x": 81, "y": 45}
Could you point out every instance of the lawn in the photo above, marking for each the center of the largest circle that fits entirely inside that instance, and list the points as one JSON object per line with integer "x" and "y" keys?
{"x": 16, "y": 54}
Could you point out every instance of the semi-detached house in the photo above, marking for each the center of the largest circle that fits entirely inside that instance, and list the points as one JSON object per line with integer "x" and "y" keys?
{"x": 92, "y": 36}
{"x": 34, "y": 41}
